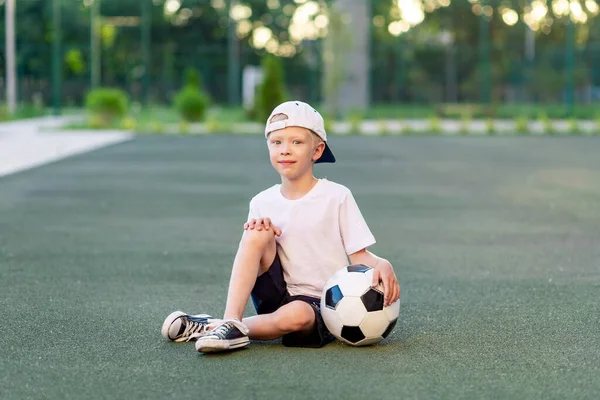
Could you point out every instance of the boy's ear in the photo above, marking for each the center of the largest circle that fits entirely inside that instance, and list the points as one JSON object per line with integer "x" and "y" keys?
{"x": 319, "y": 151}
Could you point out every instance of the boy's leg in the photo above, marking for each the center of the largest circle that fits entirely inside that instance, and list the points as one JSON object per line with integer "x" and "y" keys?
{"x": 255, "y": 254}
{"x": 296, "y": 316}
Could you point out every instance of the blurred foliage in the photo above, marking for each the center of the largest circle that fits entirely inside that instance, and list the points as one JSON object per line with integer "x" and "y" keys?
{"x": 191, "y": 104}
{"x": 271, "y": 92}
{"x": 191, "y": 101}
{"x": 107, "y": 105}
{"x": 23, "y": 111}
{"x": 414, "y": 67}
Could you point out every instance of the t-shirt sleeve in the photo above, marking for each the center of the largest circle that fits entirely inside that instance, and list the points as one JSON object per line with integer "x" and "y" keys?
{"x": 252, "y": 210}
{"x": 353, "y": 227}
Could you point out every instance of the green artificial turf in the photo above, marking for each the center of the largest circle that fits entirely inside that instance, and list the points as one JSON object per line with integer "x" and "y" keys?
{"x": 496, "y": 242}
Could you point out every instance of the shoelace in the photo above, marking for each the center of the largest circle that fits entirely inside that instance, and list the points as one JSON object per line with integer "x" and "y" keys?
{"x": 193, "y": 329}
{"x": 223, "y": 328}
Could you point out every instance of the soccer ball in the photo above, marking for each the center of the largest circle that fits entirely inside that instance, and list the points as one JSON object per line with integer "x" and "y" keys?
{"x": 353, "y": 310}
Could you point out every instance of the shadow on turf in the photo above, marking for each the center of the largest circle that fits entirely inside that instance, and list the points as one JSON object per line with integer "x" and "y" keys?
{"x": 393, "y": 341}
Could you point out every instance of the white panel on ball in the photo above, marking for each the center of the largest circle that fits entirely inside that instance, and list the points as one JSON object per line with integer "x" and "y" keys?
{"x": 339, "y": 274}
{"x": 351, "y": 311}
{"x": 354, "y": 284}
{"x": 369, "y": 275}
{"x": 374, "y": 324}
{"x": 393, "y": 310}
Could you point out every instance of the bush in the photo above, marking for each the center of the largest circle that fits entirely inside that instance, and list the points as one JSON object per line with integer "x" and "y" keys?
{"x": 382, "y": 128}
{"x": 191, "y": 101}
{"x": 435, "y": 125}
{"x": 271, "y": 91}
{"x": 355, "y": 119}
{"x": 407, "y": 130}
{"x": 522, "y": 125}
{"x": 107, "y": 104}
{"x": 574, "y": 127}
{"x": 191, "y": 104}
{"x": 157, "y": 127}
{"x": 184, "y": 127}
{"x": 490, "y": 128}
{"x": 128, "y": 123}
{"x": 548, "y": 126}
{"x": 465, "y": 125}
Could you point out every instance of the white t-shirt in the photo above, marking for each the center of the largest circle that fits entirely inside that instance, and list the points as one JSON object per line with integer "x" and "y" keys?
{"x": 318, "y": 232}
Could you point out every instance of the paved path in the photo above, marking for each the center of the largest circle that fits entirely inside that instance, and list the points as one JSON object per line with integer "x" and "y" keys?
{"x": 30, "y": 143}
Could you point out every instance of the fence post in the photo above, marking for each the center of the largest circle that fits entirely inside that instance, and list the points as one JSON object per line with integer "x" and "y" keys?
{"x": 398, "y": 69}
{"x": 570, "y": 67}
{"x": 146, "y": 42}
{"x": 529, "y": 61}
{"x": 10, "y": 54}
{"x": 484, "y": 56}
{"x": 56, "y": 56}
{"x": 233, "y": 64}
{"x": 95, "y": 44}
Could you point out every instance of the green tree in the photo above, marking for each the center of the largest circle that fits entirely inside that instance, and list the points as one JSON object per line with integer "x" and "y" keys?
{"x": 191, "y": 101}
{"x": 271, "y": 92}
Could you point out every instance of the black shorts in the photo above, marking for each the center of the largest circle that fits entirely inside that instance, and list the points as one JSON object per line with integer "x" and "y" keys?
{"x": 270, "y": 293}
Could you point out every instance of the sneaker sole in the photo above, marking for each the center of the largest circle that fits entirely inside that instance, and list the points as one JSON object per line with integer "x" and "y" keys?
{"x": 215, "y": 345}
{"x": 169, "y": 321}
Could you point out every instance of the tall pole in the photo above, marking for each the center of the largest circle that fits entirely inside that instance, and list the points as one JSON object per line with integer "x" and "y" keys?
{"x": 570, "y": 67}
{"x": 146, "y": 31}
{"x": 484, "y": 49}
{"x": 233, "y": 64}
{"x": 529, "y": 59}
{"x": 596, "y": 56}
{"x": 398, "y": 70}
{"x": 355, "y": 81}
{"x": 11, "y": 70}
{"x": 56, "y": 56}
{"x": 95, "y": 44}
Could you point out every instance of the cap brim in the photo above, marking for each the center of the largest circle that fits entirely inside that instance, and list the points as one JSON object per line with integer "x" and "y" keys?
{"x": 327, "y": 156}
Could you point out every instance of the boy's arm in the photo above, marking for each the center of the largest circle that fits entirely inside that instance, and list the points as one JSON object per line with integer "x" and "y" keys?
{"x": 384, "y": 272}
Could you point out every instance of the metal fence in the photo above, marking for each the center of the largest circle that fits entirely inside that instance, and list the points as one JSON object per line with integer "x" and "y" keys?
{"x": 401, "y": 71}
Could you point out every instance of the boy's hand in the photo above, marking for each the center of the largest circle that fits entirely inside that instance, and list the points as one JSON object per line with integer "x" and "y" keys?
{"x": 384, "y": 272}
{"x": 261, "y": 223}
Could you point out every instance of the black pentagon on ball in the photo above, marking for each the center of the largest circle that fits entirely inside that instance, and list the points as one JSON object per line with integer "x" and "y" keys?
{"x": 333, "y": 297}
{"x": 353, "y": 334}
{"x": 389, "y": 328}
{"x": 373, "y": 300}
{"x": 358, "y": 268}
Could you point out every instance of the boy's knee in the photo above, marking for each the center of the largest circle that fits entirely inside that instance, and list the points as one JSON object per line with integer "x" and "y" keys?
{"x": 256, "y": 238}
{"x": 300, "y": 316}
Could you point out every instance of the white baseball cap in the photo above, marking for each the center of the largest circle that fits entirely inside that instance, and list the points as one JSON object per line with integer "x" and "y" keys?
{"x": 297, "y": 113}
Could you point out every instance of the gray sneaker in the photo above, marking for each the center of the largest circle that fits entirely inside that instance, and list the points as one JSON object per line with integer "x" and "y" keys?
{"x": 182, "y": 327}
{"x": 229, "y": 335}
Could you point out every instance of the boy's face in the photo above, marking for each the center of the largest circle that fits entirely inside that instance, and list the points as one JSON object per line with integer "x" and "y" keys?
{"x": 293, "y": 150}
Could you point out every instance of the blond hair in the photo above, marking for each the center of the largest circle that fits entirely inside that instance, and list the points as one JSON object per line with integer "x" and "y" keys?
{"x": 316, "y": 138}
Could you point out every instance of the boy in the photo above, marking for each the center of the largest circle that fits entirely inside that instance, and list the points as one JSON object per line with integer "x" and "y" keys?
{"x": 298, "y": 234}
